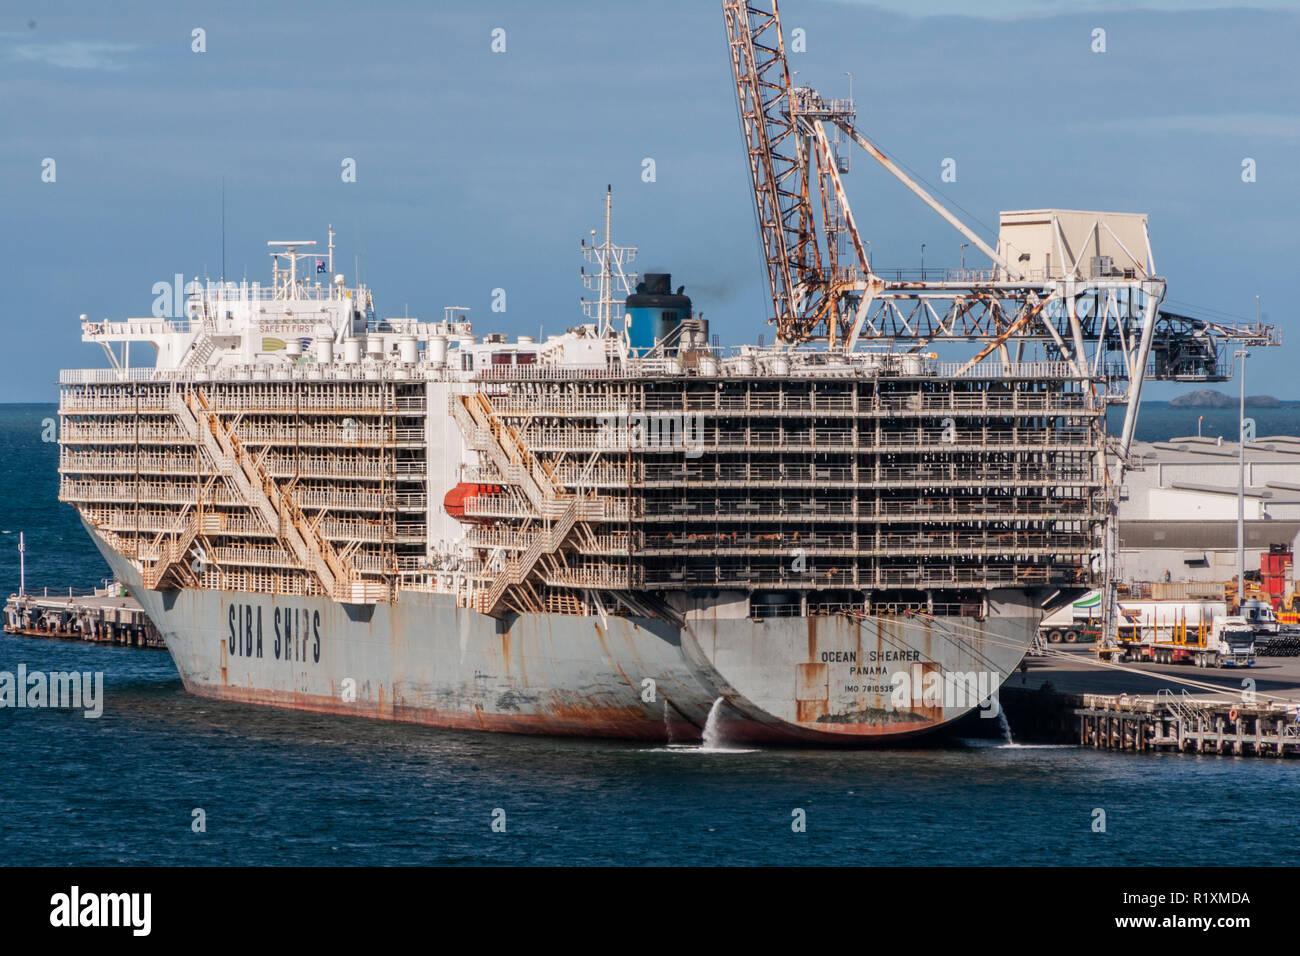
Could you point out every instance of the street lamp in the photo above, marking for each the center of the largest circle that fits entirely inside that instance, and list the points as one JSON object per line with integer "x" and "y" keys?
{"x": 963, "y": 255}
{"x": 1241, "y": 485}
{"x": 923, "y": 262}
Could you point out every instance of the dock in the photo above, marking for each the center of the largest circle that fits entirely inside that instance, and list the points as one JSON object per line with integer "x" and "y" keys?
{"x": 103, "y": 615}
{"x": 1067, "y": 697}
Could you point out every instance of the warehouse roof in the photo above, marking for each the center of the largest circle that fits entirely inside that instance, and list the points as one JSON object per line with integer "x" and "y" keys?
{"x": 1204, "y": 535}
{"x": 1277, "y": 448}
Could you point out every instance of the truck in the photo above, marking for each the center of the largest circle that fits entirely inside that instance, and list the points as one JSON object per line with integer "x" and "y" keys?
{"x": 1076, "y": 621}
{"x": 1275, "y": 586}
{"x": 1259, "y": 615}
{"x": 1182, "y": 632}
{"x": 1232, "y": 644}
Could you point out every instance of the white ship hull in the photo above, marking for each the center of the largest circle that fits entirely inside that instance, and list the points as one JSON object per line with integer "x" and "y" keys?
{"x": 827, "y": 679}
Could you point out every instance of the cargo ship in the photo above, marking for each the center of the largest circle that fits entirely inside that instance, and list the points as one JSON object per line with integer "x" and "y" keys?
{"x": 626, "y": 529}
{"x": 610, "y": 531}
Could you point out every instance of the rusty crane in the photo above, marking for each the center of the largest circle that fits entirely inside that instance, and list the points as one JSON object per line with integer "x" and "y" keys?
{"x": 1063, "y": 285}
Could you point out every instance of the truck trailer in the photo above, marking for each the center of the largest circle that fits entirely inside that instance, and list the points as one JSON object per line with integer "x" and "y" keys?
{"x": 1077, "y": 621}
{"x": 1177, "y": 632}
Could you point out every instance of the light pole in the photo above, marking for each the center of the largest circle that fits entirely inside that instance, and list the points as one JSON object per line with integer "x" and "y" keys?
{"x": 963, "y": 256}
{"x": 1241, "y": 485}
{"x": 923, "y": 262}
{"x": 850, "y": 76}
{"x": 1199, "y": 419}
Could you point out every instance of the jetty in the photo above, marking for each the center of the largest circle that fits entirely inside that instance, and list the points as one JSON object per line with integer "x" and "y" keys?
{"x": 103, "y": 615}
{"x": 1067, "y": 696}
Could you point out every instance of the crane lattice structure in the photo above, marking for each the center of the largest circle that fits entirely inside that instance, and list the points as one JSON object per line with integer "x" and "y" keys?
{"x": 1103, "y": 318}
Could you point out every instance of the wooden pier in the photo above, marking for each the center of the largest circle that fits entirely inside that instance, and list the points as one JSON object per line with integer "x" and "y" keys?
{"x": 1148, "y": 708}
{"x": 1185, "y": 723}
{"x": 104, "y": 615}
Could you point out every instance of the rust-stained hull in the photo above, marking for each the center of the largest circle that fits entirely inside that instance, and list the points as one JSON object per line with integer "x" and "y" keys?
{"x": 820, "y": 680}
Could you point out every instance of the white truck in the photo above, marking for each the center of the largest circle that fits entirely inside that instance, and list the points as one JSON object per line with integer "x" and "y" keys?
{"x": 1078, "y": 620}
{"x": 1164, "y": 632}
{"x": 1174, "y": 632}
{"x": 1231, "y": 644}
{"x": 1260, "y": 616}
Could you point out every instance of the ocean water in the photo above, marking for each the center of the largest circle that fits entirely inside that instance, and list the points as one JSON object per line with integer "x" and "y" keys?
{"x": 59, "y": 554}
{"x": 1158, "y": 421}
{"x": 278, "y": 787}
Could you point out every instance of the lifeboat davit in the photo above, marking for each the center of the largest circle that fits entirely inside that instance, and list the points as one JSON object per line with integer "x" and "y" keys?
{"x": 454, "y": 501}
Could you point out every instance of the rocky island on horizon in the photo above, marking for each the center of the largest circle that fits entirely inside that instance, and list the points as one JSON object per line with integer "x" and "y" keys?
{"x": 1210, "y": 398}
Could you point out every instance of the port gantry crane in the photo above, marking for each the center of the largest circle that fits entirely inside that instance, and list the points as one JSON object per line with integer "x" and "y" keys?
{"x": 1101, "y": 316}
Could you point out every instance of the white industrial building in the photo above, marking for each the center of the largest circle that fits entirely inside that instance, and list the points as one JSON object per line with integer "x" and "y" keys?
{"x": 1178, "y": 507}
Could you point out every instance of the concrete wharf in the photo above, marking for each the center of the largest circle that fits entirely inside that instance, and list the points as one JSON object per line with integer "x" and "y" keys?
{"x": 104, "y": 615}
{"x": 1069, "y": 697}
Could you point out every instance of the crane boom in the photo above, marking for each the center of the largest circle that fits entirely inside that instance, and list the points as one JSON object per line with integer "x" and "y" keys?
{"x": 778, "y": 161}
{"x": 1106, "y": 321}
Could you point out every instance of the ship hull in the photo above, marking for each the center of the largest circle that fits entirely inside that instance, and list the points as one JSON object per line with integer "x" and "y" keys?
{"x": 829, "y": 679}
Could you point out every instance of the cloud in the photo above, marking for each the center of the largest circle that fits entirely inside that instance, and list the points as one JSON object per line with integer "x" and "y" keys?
{"x": 74, "y": 54}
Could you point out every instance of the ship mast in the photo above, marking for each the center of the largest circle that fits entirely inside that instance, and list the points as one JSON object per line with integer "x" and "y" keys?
{"x": 285, "y": 281}
{"x": 611, "y": 283}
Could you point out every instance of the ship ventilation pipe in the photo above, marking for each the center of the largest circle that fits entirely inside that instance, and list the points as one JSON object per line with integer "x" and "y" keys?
{"x": 352, "y": 351}
{"x": 438, "y": 351}
{"x": 324, "y": 351}
{"x": 407, "y": 350}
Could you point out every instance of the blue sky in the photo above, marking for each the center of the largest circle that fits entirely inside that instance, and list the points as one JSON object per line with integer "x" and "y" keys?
{"x": 478, "y": 170}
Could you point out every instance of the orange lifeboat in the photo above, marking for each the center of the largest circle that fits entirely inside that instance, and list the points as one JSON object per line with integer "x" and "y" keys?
{"x": 454, "y": 501}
